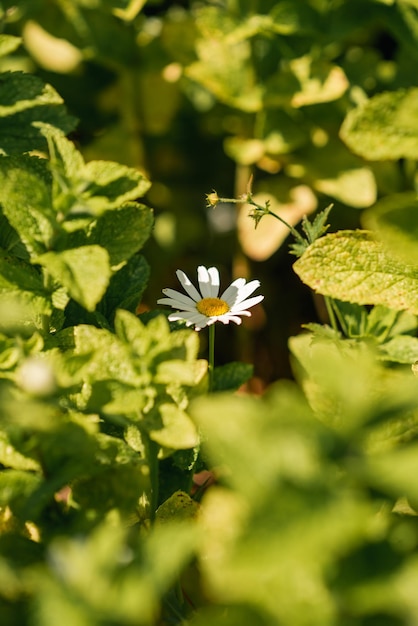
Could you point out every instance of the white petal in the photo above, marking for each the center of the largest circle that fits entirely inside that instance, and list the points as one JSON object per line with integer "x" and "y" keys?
{"x": 230, "y": 318}
{"x": 246, "y": 304}
{"x": 177, "y": 304}
{"x": 247, "y": 290}
{"x": 231, "y": 293}
{"x": 190, "y": 317}
{"x": 204, "y": 279}
{"x": 239, "y": 312}
{"x": 178, "y": 296}
{"x": 214, "y": 281}
{"x": 187, "y": 286}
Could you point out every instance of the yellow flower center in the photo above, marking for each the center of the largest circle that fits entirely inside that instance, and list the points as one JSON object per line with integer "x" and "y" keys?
{"x": 212, "y": 306}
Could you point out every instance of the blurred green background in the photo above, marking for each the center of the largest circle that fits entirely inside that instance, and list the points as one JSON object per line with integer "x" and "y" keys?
{"x": 202, "y": 95}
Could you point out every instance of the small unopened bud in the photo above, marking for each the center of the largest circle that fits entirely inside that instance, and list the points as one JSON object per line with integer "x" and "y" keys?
{"x": 212, "y": 199}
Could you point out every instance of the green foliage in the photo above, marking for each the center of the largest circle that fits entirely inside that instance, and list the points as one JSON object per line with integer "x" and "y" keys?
{"x": 92, "y": 398}
{"x": 130, "y": 493}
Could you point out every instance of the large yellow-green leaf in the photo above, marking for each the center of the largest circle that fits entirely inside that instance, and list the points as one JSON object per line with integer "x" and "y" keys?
{"x": 384, "y": 127}
{"x": 395, "y": 220}
{"x": 353, "y": 266}
{"x": 335, "y": 171}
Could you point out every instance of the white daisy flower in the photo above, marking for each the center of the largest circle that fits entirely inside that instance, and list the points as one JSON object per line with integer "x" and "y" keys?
{"x": 206, "y": 307}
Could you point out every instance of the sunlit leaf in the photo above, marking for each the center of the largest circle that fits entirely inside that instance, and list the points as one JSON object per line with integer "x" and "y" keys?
{"x": 172, "y": 428}
{"x": 84, "y": 272}
{"x": 26, "y": 99}
{"x": 353, "y": 266}
{"x": 8, "y": 44}
{"x": 395, "y": 221}
{"x": 384, "y": 127}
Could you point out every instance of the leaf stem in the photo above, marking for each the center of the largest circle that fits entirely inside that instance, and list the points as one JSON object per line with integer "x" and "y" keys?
{"x": 331, "y": 313}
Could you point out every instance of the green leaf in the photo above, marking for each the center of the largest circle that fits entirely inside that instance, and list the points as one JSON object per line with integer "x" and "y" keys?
{"x": 324, "y": 366}
{"x": 171, "y": 427}
{"x": 126, "y": 287}
{"x": 109, "y": 486}
{"x": 353, "y": 266}
{"x": 141, "y": 339}
{"x": 384, "y": 127}
{"x": 235, "y": 428}
{"x": 394, "y": 472}
{"x": 179, "y": 506}
{"x": 21, "y": 290}
{"x": 231, "y": 376}
{"x": 294, "y": 17}
{"x": 26, "y": 100}
{"x": 84, "y": 272}
{"x": 306, "y": 81}
{"x": 15, "y": 487}
{"x": 110, "y": 358}
{"x": 224, "y": 70}
{"x": 333, "y": 170}
{"x": 81, "y": 189}
{"x": 114, "y": 398}
{"x": 26, "y": 201}
{"x": 12, "y": 458}
{"x": 283, "y": 131}
{"x": 179, "y": 372}
{"x": 113, "y": 182}
{"x": 8, "y": 44}
{"x": 401, "y": 349}
{"x": 122, "y": 232}
{"x": 395, "y": 221}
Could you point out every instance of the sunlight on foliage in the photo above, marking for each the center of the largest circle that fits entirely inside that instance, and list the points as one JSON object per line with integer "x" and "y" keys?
{"x": 142, "y": 481}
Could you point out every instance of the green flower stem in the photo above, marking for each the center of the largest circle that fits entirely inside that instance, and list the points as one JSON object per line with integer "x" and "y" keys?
{"x": 211, "y": 358}
{"x": 151, "y": 455}
{"x": 46, "y": 318}
{"x": 258, "y": 212}
{"x": 294, "y": 232}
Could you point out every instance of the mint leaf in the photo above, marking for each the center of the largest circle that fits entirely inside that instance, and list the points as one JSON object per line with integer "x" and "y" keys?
{"x": 26, "y": 201}
{"x": 231, "y": 376}
{"x": 122, "y": 232}
{"x": 25, "y": 99}
{"x": 84, "y": 272}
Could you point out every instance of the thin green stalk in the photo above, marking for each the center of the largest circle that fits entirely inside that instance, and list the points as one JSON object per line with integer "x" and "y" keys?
{"x": 211, "y": 357}
{"x": 46, "y": 318}
{"x": 257, "y": 213}
{"x": 294, "y": 232}
{"x": 151, "y": 455}
{"x": 331, "y": 313}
